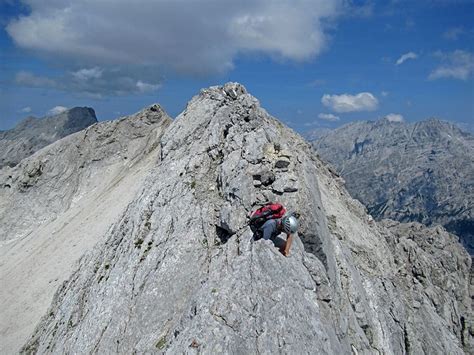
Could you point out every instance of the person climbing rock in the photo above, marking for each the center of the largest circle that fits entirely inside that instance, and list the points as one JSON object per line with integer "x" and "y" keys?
{"x": 270, "y": 221}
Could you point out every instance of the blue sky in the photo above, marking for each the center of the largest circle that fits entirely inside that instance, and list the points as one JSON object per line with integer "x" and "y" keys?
{"x": 311, "y": 63}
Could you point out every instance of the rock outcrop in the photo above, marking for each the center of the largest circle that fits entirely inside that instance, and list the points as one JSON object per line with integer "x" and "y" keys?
{"x": 422, "y": 172}
{"x": 32, "y": 134}
{"x": 60, "y": 202}
{"x": 179, "y": 272}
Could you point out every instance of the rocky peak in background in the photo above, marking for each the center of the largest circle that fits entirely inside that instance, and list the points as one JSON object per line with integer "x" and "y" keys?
{"x": 58, "y": 203}
{"x": 32, "y": 134}
{"x": 178, "y": 270}
{"x": 421, "y": 172}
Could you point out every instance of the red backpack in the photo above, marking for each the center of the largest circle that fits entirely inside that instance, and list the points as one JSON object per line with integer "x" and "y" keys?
{"x": 269, "y": 211}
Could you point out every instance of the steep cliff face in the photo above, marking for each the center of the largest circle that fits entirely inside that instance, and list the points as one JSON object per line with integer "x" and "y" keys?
{"x": 179, "y": 270}
{"x": 58, "y": 203}
{"x": 32, "y": 134}
{"x": 421, "y": 172}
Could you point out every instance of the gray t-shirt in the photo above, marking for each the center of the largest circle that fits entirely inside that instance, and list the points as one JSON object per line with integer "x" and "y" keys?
{"x": 270, "y": 229}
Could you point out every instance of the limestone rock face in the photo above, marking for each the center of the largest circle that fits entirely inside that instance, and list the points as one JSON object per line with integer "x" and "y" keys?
{"x": 421, "y": 172}
{"x": 179, "y": 271}
{"x": 32, "y": 134}
{"x": 433, "y": 260}
{"x": 59, "y": 176}
{"x": 60, "y": 202}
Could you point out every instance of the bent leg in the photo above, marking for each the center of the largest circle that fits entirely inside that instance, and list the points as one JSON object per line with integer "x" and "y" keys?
{"x": 268, "y": 229}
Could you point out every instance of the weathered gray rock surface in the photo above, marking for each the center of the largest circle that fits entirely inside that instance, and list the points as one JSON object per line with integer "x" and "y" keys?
{"x": 32, "y": 134}
{"x": 421, "y": 172}
{"x": 58, "y": 203}
{"x": 178, "y": 272}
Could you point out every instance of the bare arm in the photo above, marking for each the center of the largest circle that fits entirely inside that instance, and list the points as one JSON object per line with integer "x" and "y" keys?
{"x": 289, "y": 240}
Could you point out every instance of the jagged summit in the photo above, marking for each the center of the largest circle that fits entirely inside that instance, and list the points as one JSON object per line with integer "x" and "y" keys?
{"x": 32, "y": 133}
{"x": 151, "y": 108}
{"x": 178, "y": 270}
{"x": 230, "y": 90}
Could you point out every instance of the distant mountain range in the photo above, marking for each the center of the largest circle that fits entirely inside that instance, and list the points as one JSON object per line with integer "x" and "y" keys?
{"x": 420, "y": 172}
{"x": 32, "y": 134}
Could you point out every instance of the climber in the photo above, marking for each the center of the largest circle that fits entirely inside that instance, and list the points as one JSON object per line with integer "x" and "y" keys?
{"x": 270, "y": 220}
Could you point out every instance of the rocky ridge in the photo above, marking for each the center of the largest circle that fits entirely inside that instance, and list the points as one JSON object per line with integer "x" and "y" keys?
{"x": 58, "y": 203}
{"x": 421, "y": 172}
{"x": 32, "y": 134}
{"x": 178, "y": 270}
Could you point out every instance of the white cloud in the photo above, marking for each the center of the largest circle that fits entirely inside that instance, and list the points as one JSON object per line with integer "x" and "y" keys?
{"x": 328, "y": 117}
{"x": 87, "y": 74}
{"x": 146, "y": 87}
{"x": 384, "y": 93}
{"x": 363, "y": 101}
{"x": 56, "y": 110}
{"x": 26, "y": 109}
{"x": 457, "y": 65}
{"x": 405, "y": 57}
{"x": 190, "y": 37}
{"x": 93, "y": 83}
{"x": 456, "y": 72}
{"x": 394, "y": 117}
